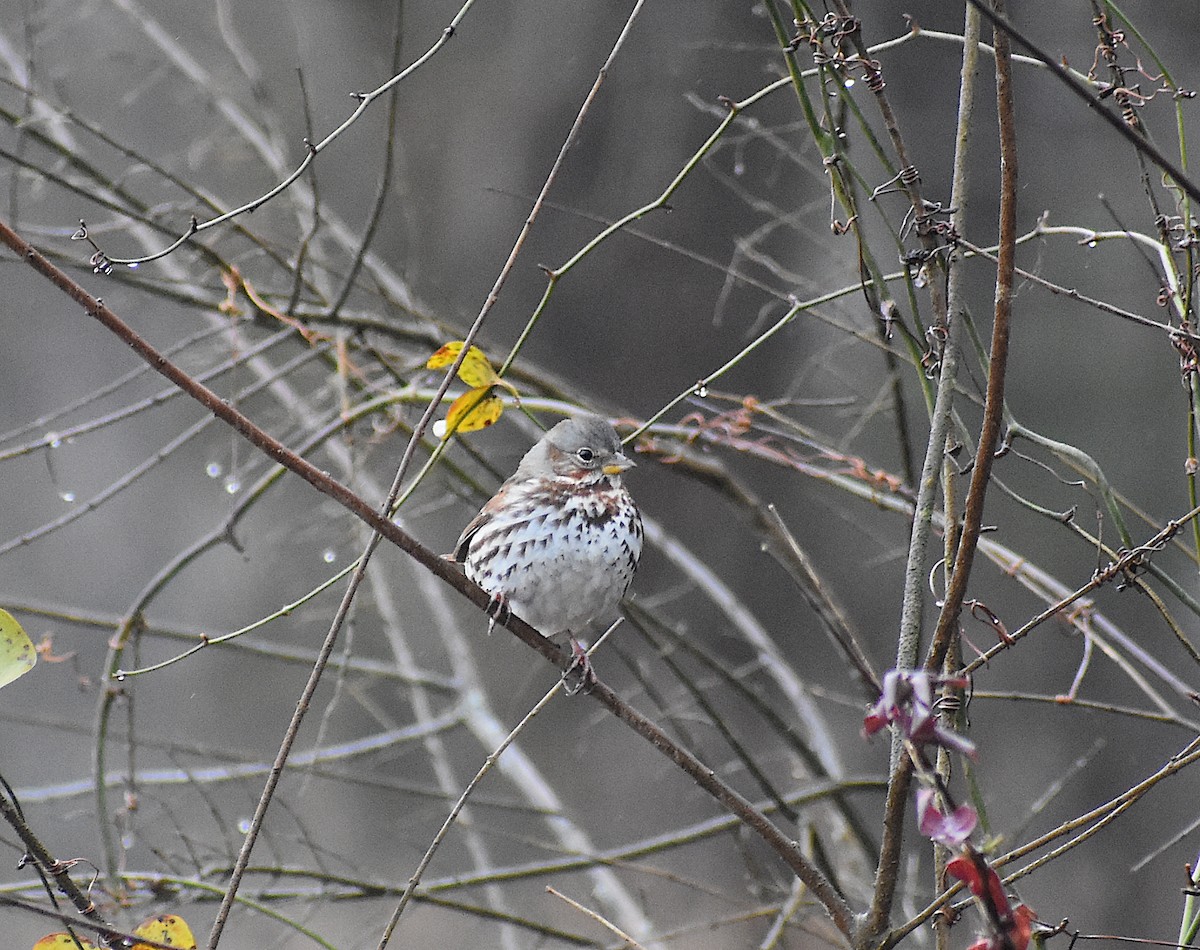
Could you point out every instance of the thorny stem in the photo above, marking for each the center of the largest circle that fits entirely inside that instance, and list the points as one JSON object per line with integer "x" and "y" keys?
{"x": 1193, "y": 420}
{"x": 910, "y": 180}
{"x": 993, "y": 410}
{"x": 959, "y": 198}
{"x": 947, "y": 626}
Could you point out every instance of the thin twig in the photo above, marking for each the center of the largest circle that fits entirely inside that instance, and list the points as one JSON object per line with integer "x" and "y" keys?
{"x": 488, "y": 763}
{"x": 289, "y": 739}
{"x": 705, "y": 777}
{"x": 59, "y": 871}
{"x": 312, "y": 150}
{"x": 628, "y": 940}
{"x": 1005, "y": 26}
{"x": 1127, "y": 561}
{"x": 1095, "y": 820}
{"x": 383, "y": 188}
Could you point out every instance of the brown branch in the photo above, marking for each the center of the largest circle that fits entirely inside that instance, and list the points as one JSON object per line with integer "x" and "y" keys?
{"x": 993, "y": 409}
{"x": 947, "y": 625}
{"x": 787, "y": 849}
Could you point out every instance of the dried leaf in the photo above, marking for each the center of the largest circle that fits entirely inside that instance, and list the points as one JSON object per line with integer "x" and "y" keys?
{"x": 982, "y": 880}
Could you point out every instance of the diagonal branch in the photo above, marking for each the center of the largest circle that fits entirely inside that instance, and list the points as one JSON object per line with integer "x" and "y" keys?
{"x": 787, "y": 849}
{"x": 1004, "y": 27}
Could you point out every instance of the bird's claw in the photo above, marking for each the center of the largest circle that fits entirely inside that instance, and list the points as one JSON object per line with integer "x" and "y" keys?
{"x": 579, "y": 675}
{"x": 498, "y": 611}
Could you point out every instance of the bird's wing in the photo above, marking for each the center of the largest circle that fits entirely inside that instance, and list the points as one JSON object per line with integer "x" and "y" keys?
{"x": 498, "y": 507}
{"x": 464, "y": 540}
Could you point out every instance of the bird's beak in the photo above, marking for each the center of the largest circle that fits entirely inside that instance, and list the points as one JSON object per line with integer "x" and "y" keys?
{"x": 618, "y": 465}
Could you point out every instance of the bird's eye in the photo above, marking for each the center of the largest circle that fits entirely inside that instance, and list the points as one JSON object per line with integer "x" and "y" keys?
{"x": 586, "y": 455}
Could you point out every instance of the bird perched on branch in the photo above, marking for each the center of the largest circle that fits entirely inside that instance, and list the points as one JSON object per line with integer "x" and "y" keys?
{"x": 558, "y": 543}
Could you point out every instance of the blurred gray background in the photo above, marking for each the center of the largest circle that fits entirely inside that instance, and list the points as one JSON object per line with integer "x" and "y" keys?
{"x": 639, "y": 321}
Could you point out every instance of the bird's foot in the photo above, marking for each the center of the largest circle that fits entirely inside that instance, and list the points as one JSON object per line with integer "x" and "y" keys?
{"x": 498, "y": 611}
{"x": 579, "y": 676}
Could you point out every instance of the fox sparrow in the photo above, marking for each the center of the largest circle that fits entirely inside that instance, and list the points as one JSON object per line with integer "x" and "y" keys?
{"x": 558, "y": 543}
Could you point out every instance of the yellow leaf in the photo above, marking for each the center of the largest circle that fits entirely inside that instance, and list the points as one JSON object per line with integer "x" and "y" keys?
{"x": 444, "y": 355}
{"x": 168, "y": 929}
{"x": 63, "y": 942}
{"x": 476, "y": 369}
{"x": 17, "y": 653}
{"x": 475, "y": 409}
